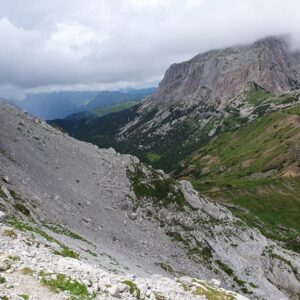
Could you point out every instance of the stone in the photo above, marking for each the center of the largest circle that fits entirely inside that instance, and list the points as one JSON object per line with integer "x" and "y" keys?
{"x": 216, "y": 282}
{"x": 114, "y": 291}
{"x": 2, "y": 216}
{"x": 53, "y": 276}
{"x": 5, "y": 262}
{"x": 212, "y": 132}
{"x": 6, "y": 179}
{"x": 133, "y": 216}
{"x": 122, "y": 287}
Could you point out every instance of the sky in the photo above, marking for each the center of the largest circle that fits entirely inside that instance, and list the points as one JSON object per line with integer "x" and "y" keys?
{"x": 52, "y": 45}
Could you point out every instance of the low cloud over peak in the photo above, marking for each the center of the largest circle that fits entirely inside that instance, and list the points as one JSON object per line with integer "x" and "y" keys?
{"x": 100, "y": 44}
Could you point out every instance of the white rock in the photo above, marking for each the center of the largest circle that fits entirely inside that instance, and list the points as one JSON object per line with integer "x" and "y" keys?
{"x": 2, "y": 215}
{"x": 114, "y": 291}
{"x": 4, "y": 262}
{"x": 133, "y": 216}
{"x": 216, "y": 282}
{"x": 6, "y": 179}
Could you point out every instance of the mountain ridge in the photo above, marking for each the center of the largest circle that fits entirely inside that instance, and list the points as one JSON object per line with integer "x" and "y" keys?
{"x": 226, "y": 72}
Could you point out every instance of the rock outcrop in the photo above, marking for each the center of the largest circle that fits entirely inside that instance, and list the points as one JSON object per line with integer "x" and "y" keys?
{"x": 34, "y": 272}
{"x": 220, "y": 75}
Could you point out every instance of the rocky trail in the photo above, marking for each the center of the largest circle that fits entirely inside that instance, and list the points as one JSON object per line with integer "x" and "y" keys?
{"x": 30, "y": 270}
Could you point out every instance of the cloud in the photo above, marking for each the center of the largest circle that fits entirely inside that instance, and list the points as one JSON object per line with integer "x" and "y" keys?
{"x": 72, "y": 44}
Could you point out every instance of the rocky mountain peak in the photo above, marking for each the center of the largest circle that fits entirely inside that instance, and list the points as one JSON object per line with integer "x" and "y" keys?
{"x": 273, "y": 42}
{"x": 219, "y": 75}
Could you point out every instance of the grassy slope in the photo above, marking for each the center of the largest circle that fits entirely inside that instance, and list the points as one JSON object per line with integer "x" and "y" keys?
{"x": 249, "y": 167}
{"x": 102, "y": 111}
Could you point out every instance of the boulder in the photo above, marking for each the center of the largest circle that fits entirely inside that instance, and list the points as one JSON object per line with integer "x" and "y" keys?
{"x": 133, "y": 216}
{"x": 6, "y": 179}
{"x": 5, "y": 262}
{"x": 216, "y": 282}
{"x": 2, "y": 215}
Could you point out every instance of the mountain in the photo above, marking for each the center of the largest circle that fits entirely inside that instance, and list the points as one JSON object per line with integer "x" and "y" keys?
{"x": 53, "y": 105}
{"x": 218, "y": 76}
{"x": 214, "y": 91}
{"x": 227, "y": 120}
{"x": 108, "y": 98}
{"x": 79, "y": 219}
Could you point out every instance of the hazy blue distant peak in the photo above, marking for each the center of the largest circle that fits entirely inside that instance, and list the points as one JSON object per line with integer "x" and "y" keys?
{"x": 56, "y": 105}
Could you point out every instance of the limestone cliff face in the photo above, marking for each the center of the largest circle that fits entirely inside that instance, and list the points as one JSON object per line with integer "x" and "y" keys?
{"x": 223, "y": 74}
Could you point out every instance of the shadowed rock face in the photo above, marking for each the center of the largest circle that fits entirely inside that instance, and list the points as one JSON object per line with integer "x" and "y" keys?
{"x": 223, "y": 74}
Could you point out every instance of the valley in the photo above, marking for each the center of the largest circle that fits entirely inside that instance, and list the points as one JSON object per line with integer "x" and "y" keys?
{"x": 192, "y": 193}
{"x": 149, "y": 150}
{"x": 242, "y": 150}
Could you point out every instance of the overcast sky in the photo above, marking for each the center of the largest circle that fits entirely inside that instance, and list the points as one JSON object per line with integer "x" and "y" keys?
{"x": 108, "y": 44}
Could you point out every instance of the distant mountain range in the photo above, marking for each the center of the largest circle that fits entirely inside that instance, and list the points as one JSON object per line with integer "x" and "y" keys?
{"x": 55, "y": 105}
